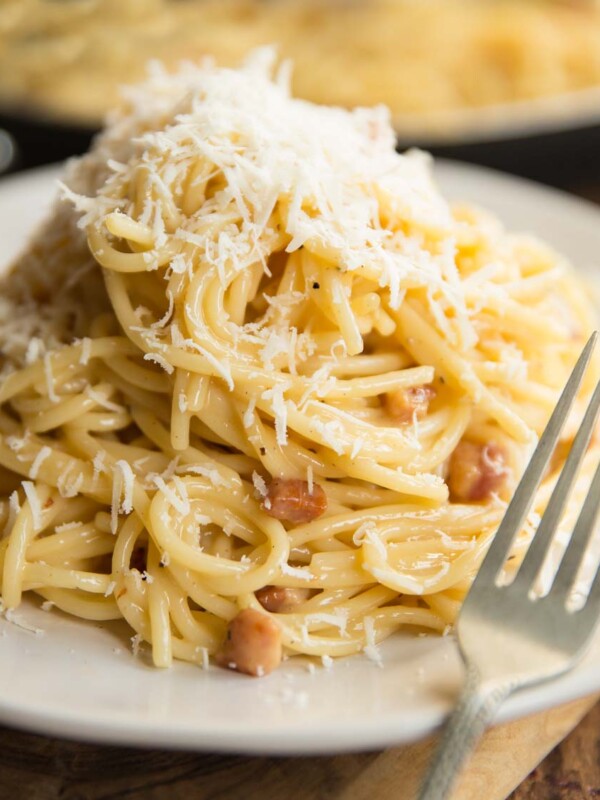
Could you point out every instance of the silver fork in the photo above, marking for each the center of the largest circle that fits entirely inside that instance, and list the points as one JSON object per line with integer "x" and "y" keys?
{"x": 508, "y": 638}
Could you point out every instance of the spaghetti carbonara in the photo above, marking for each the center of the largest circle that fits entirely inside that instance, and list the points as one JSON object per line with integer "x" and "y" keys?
{"x": 264, "y": 393}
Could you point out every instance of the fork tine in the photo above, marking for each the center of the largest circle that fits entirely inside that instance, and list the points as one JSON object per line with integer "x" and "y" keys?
{"x": 524, "y": 494}
{"x": 580, "y": 539}
{"x": 545, "y": 533}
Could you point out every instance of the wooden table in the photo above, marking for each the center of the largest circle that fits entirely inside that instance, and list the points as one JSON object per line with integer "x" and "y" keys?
{"x": 572, "y": 770}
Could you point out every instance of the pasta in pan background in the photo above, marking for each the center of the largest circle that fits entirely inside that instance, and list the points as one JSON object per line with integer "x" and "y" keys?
{"x": 263, "y": 392}
{"x": 428, "y": 60}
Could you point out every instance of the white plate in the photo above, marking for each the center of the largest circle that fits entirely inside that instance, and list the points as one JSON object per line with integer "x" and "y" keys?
{"x": 519, "y": 119}
{"x": 80, "y": 679}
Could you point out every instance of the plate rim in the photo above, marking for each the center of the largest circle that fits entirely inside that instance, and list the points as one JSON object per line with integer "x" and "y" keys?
{"x": 522, "y": 119}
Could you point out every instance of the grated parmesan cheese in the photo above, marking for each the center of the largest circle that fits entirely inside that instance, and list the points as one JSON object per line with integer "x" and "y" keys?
{"x": 339, "y": 619}
{"x": 296, "y": 572}
{"x": 102, "y": 401}
{"x": 123, "y": 485}
{"x": 310, "y": 479}
{"x": 248, "y": 418}
{"x": 52, "y": 396}
{"x": 221, "y": 367}
{"x": 260, "y": 486}
{"x": 35, "y": 348}
{"x": 34, "y": 504}
{"x": 42, "y": 455}
{"x": 14, "y": 507}
{"x": 18, "y": 621}
{"x": 356, "y": 447}
{"x": 360, "y": 534}
{"x": 180, "y": 502}
{"x": 66, "y": 486}
{"x": 99, "y": 466}
{"x": 212, "y": 473}
{"x": 371, "y": 650}
{"x": 67, "y": 526}
{"x": 86, "y": 351}
{"x": 205, "y": 662}
{"x": 161, "y": 361}
{"x": 16, "y": 443}
{"x": 279, "y": 408}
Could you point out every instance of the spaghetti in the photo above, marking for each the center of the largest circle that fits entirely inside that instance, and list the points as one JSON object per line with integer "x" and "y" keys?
{"x": 263, "y": 392}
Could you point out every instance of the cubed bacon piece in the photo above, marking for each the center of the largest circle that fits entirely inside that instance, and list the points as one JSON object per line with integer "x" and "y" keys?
{"x": 281, "y": 599}
{"x": 406, "y": 404}
{"x": 293, "y": 501}
{"x": 476, "y": 471}
{"x": 253, "y": 644}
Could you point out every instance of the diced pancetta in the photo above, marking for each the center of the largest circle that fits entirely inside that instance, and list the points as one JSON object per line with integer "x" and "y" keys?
{"x": 476, "y": 471}
{"x": 253, "y": 644}
{"x": 294, "y": 500}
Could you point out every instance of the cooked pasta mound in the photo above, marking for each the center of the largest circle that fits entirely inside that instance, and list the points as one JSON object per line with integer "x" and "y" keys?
{"x": 264, "y": 392}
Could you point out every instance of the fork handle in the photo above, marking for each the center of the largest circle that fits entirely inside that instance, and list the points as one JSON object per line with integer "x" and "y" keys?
{"x": 476, "y": 708}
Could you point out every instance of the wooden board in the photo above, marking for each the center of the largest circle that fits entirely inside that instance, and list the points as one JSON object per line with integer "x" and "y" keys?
{"x": 572, "y": 770}
{"x": 36, "y": 768}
